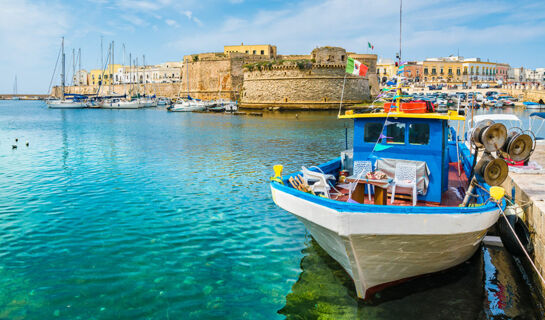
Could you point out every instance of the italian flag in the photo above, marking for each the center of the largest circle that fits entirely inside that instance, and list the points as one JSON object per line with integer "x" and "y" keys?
{"x": 355, "y": 67}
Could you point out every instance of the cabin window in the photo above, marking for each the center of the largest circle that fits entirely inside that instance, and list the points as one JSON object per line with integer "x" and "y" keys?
{"x": 395, "y": 133}
{"x": 372, "y": 132}
{"x": 419, "y": 133}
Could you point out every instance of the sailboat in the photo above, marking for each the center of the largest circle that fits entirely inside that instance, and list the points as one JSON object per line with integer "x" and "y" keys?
{"x": 117, "y": 102}
{"x": 77, "y": 101}
{"x": 15, "y": 97}
{"x": 189, "y": 104}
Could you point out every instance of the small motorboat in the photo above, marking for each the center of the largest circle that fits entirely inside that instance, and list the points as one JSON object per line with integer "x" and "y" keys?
{"x": 187, "y": 106}
{"x": 66, "y": 104}
{"x": 533, "y": 105}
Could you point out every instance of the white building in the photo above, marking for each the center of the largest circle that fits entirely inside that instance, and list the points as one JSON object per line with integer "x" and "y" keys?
{"x": 81, "y": 78}
{"x": 168, "y": 72}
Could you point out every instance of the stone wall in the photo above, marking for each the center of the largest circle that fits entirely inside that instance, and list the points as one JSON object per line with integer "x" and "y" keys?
{"x": 293, "y": 87}
{"x": 298, "y": 81}
{"x": 170, "y": 90}
{"x": 528, "y": 191}
{"x": 527, "y": 94}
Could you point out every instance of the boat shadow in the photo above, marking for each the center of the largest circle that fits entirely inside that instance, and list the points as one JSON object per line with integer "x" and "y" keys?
{"x": 325, "y": 290}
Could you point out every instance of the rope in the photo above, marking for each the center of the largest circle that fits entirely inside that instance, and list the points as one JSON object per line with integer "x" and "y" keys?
{"x": 515, "y": 234}
{"x": 54, "y": 71}
{"x": 521, "y": 245}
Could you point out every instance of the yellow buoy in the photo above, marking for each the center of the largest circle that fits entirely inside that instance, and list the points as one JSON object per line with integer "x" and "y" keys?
{"x": 497, "y": 193}
{"x": 278, "y": 173}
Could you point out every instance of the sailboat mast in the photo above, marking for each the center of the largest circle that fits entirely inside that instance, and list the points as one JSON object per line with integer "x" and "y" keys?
{"x": 124, "y": 71}
{"x": 187, "y": 76}
{"x": 130, "y": 72}
{"x": 63, "y": 69}
{"x": 113, "y": 64}
{"x": 73, "y": 66}
{"x": 144, "y": 72}
{"x": 79, "y": 66}
{"x": 101, "y": 53}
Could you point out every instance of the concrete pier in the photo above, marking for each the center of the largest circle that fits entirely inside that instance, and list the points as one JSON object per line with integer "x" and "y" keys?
{"x": 530, "y": 194}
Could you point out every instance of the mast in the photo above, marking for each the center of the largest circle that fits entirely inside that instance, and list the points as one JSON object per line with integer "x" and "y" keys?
{"x": 124, "y": 71}
{"x": 62, "y": 72}
{"x": 73, "y": 66}
{"x": 15, "y": 86}
{"x": 399, "y": 91}
{"x": 400, "y": 27}
{"x": 113, "y": 66}
{"x": 187, "y": 76}
{"x": 130, "y": 72}
{"x": 144, "y": 72}
{"x": 101, "y": 53}
{"x": 79, "y": 66}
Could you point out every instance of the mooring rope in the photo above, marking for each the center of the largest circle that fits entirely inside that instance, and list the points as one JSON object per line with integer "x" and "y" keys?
{"x": 521, "y": 245}
{"x": 515, "y": 234}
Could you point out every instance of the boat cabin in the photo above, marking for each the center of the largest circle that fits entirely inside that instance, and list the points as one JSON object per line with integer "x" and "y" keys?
{"x": 419, "y": 139}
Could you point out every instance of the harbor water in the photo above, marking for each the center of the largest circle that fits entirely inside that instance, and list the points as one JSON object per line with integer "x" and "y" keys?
{"x": 145, "y": 214}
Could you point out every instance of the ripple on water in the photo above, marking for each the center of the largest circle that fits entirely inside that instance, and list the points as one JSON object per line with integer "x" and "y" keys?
{"x": 149, "y": 214}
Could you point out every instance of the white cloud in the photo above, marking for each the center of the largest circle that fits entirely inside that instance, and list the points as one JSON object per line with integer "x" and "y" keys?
{"x": 30, "y": 35}
{"x": 171, "y": 23}
{"x": 428, "y": 26}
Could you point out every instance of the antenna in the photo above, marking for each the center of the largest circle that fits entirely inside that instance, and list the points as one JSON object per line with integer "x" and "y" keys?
{"x": 400, "y": 26}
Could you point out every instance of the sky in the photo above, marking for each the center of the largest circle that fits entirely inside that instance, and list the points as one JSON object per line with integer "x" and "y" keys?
{"x": 508, "y": 31}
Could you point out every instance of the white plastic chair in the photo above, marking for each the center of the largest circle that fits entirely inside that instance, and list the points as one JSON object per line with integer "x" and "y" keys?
{"x": 313, "y": 176}
{"x": 321, "y": 186}
{"x": 405, "y": 177}
{"x": 361, "y": 168}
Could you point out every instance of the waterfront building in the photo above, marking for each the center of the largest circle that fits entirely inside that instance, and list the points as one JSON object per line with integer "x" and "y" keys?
{"x": 386, "y": 69}
{"x": 105, "y": 77}
{"x": 168, "y": 72}
{"x": 413, "y": 71}
{"x": 265, "y": 50}
{"x": 458, "y": 70}
{"x": 443, "y": 70}
{"x": 479, "y": 71}
{"x": 81, "y": 78}
{"x": 502, "y": 70}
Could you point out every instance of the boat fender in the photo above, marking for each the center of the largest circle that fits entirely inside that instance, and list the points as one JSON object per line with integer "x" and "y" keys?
{"x": 515, "y": 216}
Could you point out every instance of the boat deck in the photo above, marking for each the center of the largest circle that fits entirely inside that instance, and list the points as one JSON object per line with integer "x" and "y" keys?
{"x": 451, "y": 198}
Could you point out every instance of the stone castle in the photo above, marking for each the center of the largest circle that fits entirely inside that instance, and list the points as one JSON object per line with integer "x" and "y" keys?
{"x": 312, "y": 81}
{"x": 307, "y": 82}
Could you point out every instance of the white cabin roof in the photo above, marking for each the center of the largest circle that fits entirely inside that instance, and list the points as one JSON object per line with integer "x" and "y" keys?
{"x": 496, "y": 117}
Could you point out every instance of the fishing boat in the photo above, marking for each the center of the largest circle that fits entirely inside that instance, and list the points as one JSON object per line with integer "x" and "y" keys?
{"x": 77, "y": 101}
{"x": 409, "y": 199}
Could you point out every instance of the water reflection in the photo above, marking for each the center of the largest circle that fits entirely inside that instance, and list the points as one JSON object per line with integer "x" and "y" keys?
{"x": 483, "y": 287}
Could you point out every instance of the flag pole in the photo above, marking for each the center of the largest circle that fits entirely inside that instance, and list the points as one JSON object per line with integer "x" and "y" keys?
{"x": 342, "y": 95}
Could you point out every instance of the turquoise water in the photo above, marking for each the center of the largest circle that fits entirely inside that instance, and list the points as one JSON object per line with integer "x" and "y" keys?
{"x": 144, "y": 214}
